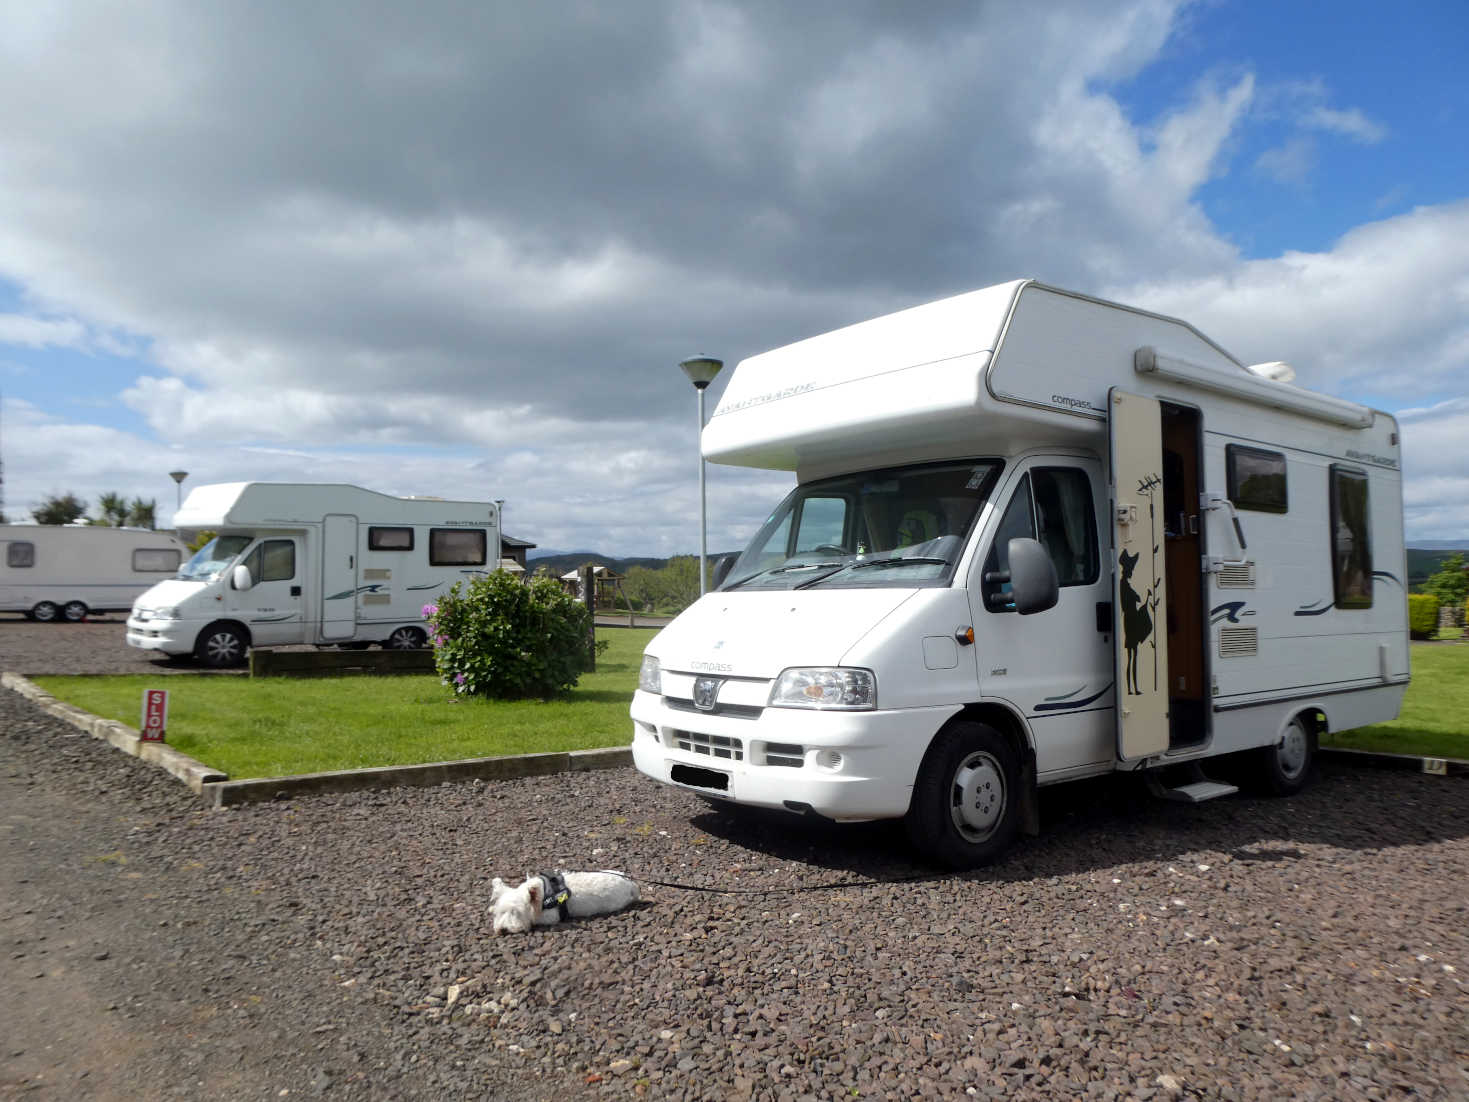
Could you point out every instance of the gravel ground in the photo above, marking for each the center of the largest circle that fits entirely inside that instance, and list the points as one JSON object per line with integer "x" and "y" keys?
{"x": 1241, "y": 949}
{"x": 97, "y": 645}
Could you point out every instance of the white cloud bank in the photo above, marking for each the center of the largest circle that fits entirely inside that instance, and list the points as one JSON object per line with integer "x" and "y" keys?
{"x": 459, "y": 249}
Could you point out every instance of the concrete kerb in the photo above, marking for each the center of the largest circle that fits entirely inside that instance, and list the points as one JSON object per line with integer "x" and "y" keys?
{"x": 218, "y": 790}
{"x": 1415, "y": 763}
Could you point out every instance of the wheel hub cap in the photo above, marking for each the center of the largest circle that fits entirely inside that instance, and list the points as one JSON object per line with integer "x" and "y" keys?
{"x": 979, "y": 795}
{"x": 1292, "y": 751}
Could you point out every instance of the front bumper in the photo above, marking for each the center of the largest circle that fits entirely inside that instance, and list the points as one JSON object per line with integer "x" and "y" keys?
{"x": 841, "y": 765}
{"x": 168, "y": 636}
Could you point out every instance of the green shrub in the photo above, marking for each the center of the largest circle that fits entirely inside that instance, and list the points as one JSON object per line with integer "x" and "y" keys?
{"x": 509, "y": 640}
{"x": 1422, "y": 615}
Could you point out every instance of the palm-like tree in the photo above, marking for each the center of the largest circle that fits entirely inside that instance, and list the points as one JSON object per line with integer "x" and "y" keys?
{"x": 112, "y": 509}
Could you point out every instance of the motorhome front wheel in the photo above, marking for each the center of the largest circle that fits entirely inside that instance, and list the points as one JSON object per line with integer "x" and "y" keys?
{"x": 221, "y": 645}
{"x": 965, "y": 802}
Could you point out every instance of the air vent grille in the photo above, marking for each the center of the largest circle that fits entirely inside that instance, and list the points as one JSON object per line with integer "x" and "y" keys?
{"x": 1237, "y": 576}
{"x": 1238, "y": 642}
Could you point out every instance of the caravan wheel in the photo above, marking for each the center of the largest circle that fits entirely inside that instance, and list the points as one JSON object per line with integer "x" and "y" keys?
{"x": 46, "y": 612}
{"x": 74, "y": 612}
{"x": 966, "y": 801}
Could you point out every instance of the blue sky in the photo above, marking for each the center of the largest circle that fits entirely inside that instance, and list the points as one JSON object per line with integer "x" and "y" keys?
{"x": 459, "y": 248}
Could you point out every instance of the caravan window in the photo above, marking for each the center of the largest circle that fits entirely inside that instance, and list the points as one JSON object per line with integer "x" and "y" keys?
{"x": 155, "y": 560}
{"x": 20, "y": 554}
{"x": 390, "y": 539}
{"x": 1256, "y": 478}
{"x": 1351, "y": 543}
{"x": 456, "y": 546}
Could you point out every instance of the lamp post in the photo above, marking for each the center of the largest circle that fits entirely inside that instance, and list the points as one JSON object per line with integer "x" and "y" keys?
{"x": 701, "y": 371}
{"x": 178, "y": 482}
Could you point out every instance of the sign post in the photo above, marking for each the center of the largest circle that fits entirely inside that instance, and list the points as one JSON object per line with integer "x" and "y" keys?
{"x": 155, "y": 715}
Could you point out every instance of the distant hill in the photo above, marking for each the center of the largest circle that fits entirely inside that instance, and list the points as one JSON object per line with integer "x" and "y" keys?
{"x": 1426, "y": 557}
{"x": 562, "y": 561}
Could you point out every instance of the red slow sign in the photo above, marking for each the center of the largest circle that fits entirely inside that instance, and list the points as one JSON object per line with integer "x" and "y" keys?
{"x": 155, "y": 714}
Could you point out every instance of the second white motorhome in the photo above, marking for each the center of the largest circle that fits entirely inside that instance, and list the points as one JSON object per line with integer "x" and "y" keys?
{"x": 1035, "y": 537}
{"x": 311, "y": 563}
{"x": 63, "y": 573}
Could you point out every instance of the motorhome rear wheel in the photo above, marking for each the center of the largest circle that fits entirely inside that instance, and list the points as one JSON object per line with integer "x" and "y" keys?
{"x": 965, "y": 807}
{"x": 1285, "y": 768}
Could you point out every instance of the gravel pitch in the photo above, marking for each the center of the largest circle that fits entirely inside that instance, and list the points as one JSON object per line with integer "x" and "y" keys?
{"x": 1242, "y": 949}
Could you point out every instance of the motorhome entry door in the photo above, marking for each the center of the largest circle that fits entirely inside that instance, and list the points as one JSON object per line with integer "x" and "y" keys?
{"x": 1140, "y": 599}
{"x": 339, "y": 576}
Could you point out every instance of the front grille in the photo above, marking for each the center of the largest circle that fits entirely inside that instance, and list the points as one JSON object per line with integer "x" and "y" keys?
{"x": 715, "y": 746}
{"x": 733, "y": 711}
{"x": 788, "y": 754}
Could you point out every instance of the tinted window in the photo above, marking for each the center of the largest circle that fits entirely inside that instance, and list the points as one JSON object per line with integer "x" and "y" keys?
{"x": 156, "y": 560}
{"x": 272, "y": 561}
{"x": 1256, "y": 478}
{"x": 20, "y": 554}
{"x": 1066, "y": 523}
{"x": 1351, "y": 543}
{"x": 390, "y": 539}
{"x": 456, "y": 546}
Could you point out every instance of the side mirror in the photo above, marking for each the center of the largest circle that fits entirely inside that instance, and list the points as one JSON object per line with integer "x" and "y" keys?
{"x": 241, "y": 579}
{"x": 1034, "y": 586}
{"x": 722, "y": 566}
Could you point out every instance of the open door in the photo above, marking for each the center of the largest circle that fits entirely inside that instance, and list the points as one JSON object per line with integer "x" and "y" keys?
{"x": 1140, "y": 599}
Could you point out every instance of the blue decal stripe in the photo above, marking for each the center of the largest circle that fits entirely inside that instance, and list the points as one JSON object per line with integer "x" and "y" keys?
{"x": 1062, "y": 705}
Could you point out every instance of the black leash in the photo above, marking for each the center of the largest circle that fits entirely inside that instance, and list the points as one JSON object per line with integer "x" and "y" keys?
{"x": 789, "y": 889}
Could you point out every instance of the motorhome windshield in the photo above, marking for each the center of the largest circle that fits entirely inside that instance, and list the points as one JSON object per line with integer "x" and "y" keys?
{"x": 212, "y": 558}
{"x": 902, "y": 526}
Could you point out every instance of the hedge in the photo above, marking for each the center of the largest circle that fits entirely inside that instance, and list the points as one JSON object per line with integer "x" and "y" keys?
{"x": 1422, "y": 615}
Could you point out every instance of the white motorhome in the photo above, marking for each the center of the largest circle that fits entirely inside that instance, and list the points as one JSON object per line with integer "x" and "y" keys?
{"x": 311, "y": 563}
{"x": 63, "y": 572}
{"x": 1035, "y": 537}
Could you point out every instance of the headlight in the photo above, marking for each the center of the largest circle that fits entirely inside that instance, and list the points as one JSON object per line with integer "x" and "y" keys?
{"x": 825, "y": 687}
{"x": 650, "y": 676}
{"x": 165, "y": 614}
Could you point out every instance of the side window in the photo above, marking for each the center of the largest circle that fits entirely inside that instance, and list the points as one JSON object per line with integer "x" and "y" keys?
{"x": 456, "y": 546}
{"x": 1017, "y": 521}
{"x": 1351, "y": 539}
{"x": 1256, "y": 478}
{"x": 155, "y": 560}
{"x": 389, "y": 539}
{"x": 278, "y": 561}
{"x": 272, "y": 561}
{"x": 1066, "y": 523}
{"x": 823, "y": 521}
{"x": 20, "y": 553}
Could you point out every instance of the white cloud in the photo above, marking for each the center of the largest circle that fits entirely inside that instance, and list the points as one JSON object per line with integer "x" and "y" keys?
{"x": 1291, "y": 164}
{"x": 1351, "y": 123}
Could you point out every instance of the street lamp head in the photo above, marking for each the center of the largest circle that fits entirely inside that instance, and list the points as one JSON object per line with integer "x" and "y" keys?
{"x": 178, "y": 476}
{"x": 701, "y": 370}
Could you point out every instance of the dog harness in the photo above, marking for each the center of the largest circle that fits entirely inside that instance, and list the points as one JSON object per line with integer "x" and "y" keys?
{"x": 557, "y": 893}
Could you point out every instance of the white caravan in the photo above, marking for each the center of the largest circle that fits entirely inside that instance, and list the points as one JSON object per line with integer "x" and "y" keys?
{"x": 63, "y": 572}
{"x": 311, "y": 563}
{"x": 1035, "y": 537}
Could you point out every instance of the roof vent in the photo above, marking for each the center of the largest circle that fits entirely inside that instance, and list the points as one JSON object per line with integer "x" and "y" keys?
{"x": 1278, "y": 370}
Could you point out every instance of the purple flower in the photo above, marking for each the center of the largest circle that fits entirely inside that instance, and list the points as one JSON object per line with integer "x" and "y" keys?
{"x": 430, "y": 611}
{"x": 459, "y": 679}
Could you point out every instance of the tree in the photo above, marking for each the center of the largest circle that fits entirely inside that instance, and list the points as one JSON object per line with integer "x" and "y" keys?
{"x": 143, "y": 514}
{"x": 112, "y": 509}
{"x": 1451, "y": 584}
{"x": 60, "y": 509}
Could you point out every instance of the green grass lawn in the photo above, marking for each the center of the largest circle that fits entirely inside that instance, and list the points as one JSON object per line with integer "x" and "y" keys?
{"x": 274, "y": 727}
{"x": 1435, "y": 717}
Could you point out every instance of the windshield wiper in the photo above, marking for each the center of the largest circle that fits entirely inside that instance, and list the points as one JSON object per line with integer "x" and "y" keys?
{"x": 898, "y": 560}
{"x": 782, "y": 570}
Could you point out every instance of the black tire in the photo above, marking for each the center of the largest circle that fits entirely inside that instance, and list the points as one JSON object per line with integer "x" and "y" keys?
{"x": 1284, "y": 768}
{"x": 221, "y": 646}
{"x": 966, "y": 802}
{"x": 47, "y": 612}
{"x": 406, "y": 639}
{"x": 74, "y": 612}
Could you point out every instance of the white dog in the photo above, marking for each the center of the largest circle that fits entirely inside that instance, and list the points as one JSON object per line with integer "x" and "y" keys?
{"x": 546, "y": 899}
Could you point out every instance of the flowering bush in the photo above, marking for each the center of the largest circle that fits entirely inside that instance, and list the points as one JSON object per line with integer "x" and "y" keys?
{"x": 501, "y": 638}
